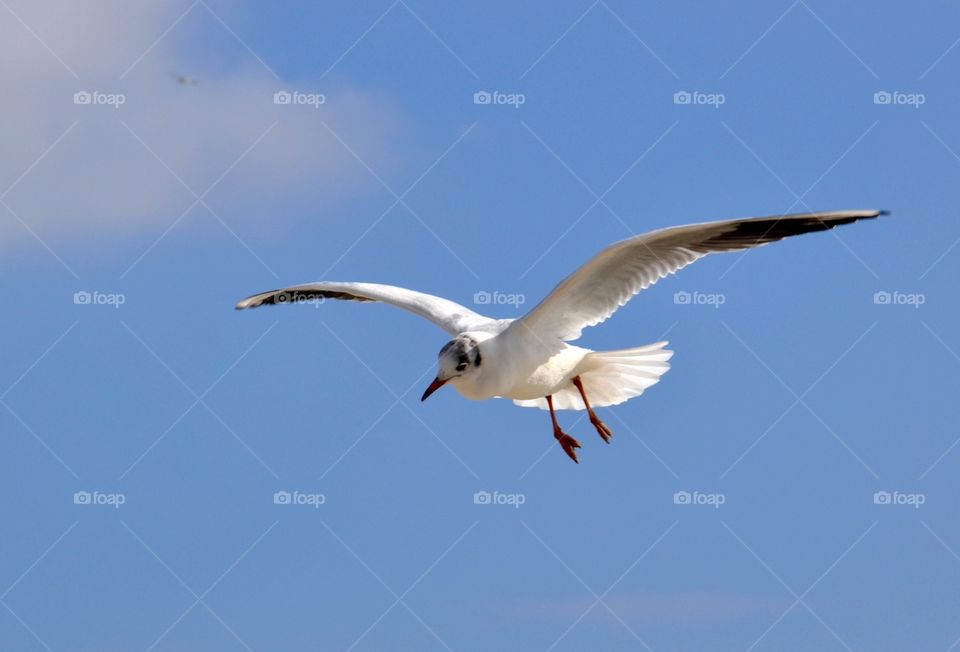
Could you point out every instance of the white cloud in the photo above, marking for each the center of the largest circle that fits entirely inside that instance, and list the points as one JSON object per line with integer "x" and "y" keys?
{"x": 100, "y": 179}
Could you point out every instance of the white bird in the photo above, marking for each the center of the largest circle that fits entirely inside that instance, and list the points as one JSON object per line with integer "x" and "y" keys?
{"x": 529, "y": 359}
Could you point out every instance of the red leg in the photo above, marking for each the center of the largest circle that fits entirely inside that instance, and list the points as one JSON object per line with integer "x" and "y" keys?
{"x": 567, "y": 442}
{"x": 601, "y": 427}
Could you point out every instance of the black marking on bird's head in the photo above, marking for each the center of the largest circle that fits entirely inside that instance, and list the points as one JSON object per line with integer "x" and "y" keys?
{"x": 458, "y": 356}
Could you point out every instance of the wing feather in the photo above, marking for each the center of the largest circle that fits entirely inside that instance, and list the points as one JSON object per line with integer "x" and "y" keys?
{"x": 448, "y": 315}
{"x": 595, "y": 291}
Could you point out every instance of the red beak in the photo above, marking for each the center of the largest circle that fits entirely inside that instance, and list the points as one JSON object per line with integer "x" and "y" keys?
{"x": 434, "y": 386}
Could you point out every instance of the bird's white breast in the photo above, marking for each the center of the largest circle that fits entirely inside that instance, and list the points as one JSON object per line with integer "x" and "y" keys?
{"x": 520, "y": 367}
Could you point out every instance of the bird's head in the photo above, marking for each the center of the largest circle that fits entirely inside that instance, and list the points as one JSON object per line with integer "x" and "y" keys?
{"x": 458, "y": 358}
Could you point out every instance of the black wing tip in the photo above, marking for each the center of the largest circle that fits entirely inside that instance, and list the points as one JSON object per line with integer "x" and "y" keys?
{"x": 855, "y": 217}
{"x": 250, "y": 302}
{"x": 866, "y": 214}
{"x": 299, "y": 295}
{"x": 763, "y": 230}
{"x": 850, "y": 215}
{"x": 844, "y": 216}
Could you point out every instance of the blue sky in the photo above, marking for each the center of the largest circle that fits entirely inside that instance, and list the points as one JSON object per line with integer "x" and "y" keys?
{"x": 826, "y": 374}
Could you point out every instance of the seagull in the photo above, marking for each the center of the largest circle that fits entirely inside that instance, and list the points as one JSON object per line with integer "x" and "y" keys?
{"x": 529, "y": 359}
{"x": 183, "y": 80}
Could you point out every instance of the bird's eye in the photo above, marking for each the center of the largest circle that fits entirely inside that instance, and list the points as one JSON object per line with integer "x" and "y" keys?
{"x": 461, "y": 366}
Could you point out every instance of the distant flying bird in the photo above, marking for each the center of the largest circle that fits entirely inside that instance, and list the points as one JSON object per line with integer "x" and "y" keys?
{"x": 528, "y": 359}
{"x": 183, "y": 80}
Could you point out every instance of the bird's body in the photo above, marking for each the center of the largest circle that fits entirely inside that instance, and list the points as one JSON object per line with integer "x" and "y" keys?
{"x": 522, "y": 369}
{"x": 526, "y": 371}
{"x": 530, "y": 359}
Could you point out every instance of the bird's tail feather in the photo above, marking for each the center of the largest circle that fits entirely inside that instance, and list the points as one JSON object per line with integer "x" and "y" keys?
{"x": 611, "y": 377}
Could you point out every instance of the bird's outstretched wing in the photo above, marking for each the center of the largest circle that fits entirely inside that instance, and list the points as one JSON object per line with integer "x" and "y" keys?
{"x": 596, "y": 290}
{"x": 450, "y": 316}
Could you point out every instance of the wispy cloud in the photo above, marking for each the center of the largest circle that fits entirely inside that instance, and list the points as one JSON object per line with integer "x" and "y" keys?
{"x": 133, "y": 153}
